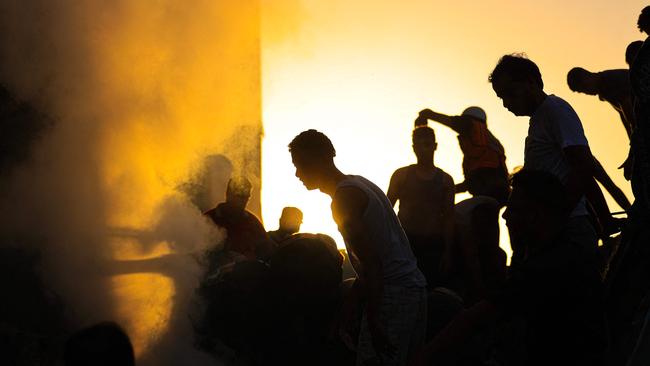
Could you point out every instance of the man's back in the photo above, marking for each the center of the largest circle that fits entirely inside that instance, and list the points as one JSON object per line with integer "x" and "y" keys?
{"x": 244, "y": 232}
{"x": 553, "y": 127}
{"x": 614, "y": 87}
{"x": 481, "y": 149}
{"x": 384, "y": 230}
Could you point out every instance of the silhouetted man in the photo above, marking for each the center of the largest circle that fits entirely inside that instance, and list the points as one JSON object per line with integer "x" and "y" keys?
{"x": 290, "y": 222}
{"x": 484, "y": 159}
{"x": 630, "y": 54}
{"x": 244, "y": 231}
{"x": 611, "y": 86}
{"x": 640, "y": 79}
{"x": 389, "y": 282}
{"x": 426, "y": 205}
{"x": 556, "y": 290}
{"x": 629, "y": 282}
{"x": 556, "y": 143}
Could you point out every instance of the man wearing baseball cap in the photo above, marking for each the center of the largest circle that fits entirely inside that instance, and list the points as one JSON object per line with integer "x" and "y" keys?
{"x": 484, "y": 159}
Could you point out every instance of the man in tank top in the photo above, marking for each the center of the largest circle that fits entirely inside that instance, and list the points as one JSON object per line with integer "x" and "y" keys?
{"x": 389, "y": 284}
{"x": 426, "y": 205}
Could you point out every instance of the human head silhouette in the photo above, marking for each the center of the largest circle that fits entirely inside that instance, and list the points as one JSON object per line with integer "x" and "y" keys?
{"x": 424, "y": 143}
{"x": 312, "y": 153}
{"x": 291, "y": 219}
{"x": 476, "y": 113}
{"x": 103, "y": 344}
{"x": 517, "y": 81}
{"x": 631, "y": 51}
{"x": 238, "y": 193}
{"x": 582, "y": 81}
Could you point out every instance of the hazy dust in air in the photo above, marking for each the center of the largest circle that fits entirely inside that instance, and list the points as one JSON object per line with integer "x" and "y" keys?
{"x": 136, "y": 95}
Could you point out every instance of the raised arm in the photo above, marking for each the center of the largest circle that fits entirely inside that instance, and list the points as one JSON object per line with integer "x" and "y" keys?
{"x": 456, "y": 123}
{"x": 603, "y": 178}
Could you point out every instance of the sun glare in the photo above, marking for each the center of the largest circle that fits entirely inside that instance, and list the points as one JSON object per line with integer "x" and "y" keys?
{"x": 362, "y": 80}
{"x": 369, "y": 142}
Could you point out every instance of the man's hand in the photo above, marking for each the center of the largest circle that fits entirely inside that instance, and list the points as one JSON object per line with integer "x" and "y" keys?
{"x": 627, "y": 166}
{"x": 426, "y": 113}
{"x": 423, "y": 117}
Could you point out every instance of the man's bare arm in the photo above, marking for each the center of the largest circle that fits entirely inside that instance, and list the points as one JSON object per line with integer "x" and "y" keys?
{"x": 456, "y": 123}
{"x": 349, "y": 205}
{"x": 394, "y": 187}
{"x": 581, "y": 182}
{"x": 603, "y": 178}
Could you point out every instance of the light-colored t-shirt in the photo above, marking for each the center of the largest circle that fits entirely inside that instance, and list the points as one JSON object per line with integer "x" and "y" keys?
{"x": 384, "y": 230}
{"x": 553, "y": 127}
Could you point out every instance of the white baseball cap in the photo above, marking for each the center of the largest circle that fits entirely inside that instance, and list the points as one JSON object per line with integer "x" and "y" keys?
{"x": 475, "y": 112}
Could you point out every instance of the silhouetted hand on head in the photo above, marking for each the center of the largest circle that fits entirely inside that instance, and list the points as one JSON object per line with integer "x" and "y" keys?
{"x": 423, "y": 117}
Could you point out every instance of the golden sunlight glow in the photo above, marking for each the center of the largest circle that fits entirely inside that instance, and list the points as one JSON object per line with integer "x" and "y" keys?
{"x": 143, "y": 299}
{"x": 172, "y": 83}
{"x": 360, "y": 71}
{"x": 177, "y": 83}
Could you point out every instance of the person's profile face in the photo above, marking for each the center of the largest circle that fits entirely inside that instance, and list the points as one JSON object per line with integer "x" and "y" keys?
{"x": 515, "y": 95}
{"x": 520, "y": 217}
{"x": 305, "y": 171}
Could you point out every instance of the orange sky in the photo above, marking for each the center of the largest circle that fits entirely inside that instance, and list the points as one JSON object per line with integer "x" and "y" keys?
{"x": 361, "y": 70}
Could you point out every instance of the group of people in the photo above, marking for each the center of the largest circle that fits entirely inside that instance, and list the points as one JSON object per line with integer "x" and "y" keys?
{"x": 431, "y": 285}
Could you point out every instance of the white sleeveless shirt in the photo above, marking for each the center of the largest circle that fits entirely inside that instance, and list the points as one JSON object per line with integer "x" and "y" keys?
{"x": 385, "y": 231}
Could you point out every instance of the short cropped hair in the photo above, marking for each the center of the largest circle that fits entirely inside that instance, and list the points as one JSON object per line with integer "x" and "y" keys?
{"x": 424, "y": 132}
{"x": 518, "y": 68}
{"x": 631, "y": 51}
{"x": 644, "y": 20}
{"x": 240, "y": 185}
{"x": 544, "y": 189}
{"x": 313, "y": 145}
{"x": 292, "y": 212}
{"x": 574, "y": 78}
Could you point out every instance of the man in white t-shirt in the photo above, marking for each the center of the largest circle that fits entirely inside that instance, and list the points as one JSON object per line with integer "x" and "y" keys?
{"x": 556, "y": 143}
